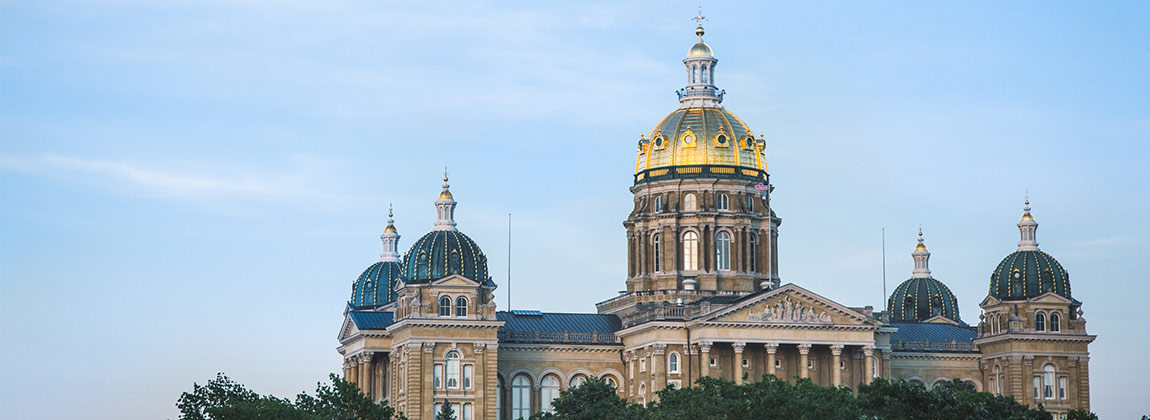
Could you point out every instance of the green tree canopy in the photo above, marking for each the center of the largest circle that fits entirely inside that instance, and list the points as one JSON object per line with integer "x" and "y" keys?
{"x": 224, "y": 399}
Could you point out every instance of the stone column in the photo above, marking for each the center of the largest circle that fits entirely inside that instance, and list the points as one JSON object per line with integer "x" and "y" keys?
{"x": 738, "y": 361}
{"x": 365, "y": 373}
{"x": 705, "y": 355}
{"x": 837, "y": 352}
{"x": 659, "y": 367}
{"x": 868, "y": 355}
{"x": 353, "y": 367}
{"x": 804, "y": 351}
{"x": 346, "y": 369}
{"x": 771, "y": 349}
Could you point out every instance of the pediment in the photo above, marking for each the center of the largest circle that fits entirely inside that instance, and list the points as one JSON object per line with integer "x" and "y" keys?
{"x": 348, "y": 328}
{"x": 455, "y": 280}
{"x": 941, "y": 320}
{"x": 989, "y": 301}
{"x": 789, "y": 304}
{"x": 1051, "y": 297}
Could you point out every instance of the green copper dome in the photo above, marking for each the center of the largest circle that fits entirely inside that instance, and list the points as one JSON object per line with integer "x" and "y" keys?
{"x": 1029, "y": 273}
{"x": 920, "y": 299}
{"x": 376, "y": 286}
{"x": 442, "y": 253}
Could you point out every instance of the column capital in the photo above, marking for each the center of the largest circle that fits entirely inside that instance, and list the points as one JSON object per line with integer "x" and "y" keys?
{"x": 1028, "y": 359}
{"x": 885, "y": 354}
{"x": 659, "y": 349}
{"x": 837, "y": 349}
{"x": 804, "y": 348}
{"x": 738, "y": 347}
{"x": 350, "y": 362}
{"x": 365, "y": 357}
{"x": 428, "y": 347}
{"x": 705, "y": 347}
{"x": 480, "y": 347}
{"x": 772, "y": 348}
{"x": 868, "y": 351}
{"x": 1072, "y": 361}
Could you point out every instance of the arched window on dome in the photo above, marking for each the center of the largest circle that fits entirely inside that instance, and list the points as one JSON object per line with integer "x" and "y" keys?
{"x": 689, "y": 203}
{"x": 704, "y": 73}
{"x": 445, "y": 306}
{"x": 690, "y": 251}
{"x": 461, "y": 306}
{"x": 657, "y": 254}
{"x": 722, "y": 202}
{"x": 935, "y": 306}
{"x": 695, "y": 73}
{"x": 723, "y": 251}
{"x": 1055, "y": 321}
{"x": 1039, "y": 322}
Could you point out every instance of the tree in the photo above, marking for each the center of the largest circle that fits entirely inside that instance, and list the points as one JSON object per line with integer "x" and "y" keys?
{"x": 445, "y": 412}
{"x": 224, "y": 399}
{"x": 593, "y": 400}
{"x": 1080, "y": 414}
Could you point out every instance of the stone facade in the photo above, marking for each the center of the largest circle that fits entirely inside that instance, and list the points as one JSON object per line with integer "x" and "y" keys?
{"x": 703, "y": 298}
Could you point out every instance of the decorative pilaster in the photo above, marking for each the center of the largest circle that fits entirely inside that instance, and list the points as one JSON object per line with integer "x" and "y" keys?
{"x": 658, "y": 366}
{"x": 836, "y": 353}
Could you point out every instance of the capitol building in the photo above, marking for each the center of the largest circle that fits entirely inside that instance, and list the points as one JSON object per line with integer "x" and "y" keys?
{"x": 703, "y": 298}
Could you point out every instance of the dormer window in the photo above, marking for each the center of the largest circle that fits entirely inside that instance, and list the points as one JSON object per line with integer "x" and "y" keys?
{"x": 1055, "y": 322}
{"x": 1039, "y": 322}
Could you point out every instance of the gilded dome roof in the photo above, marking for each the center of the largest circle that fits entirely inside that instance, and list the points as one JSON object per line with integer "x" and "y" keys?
{"x": 700, "y": 136}
{"x": 919, "y": 299}
{"x": 1028, "y": 273}
{"x": 376, "y": 285}
{"x": 442, "y": 253}
{"x": 700, "y": 49}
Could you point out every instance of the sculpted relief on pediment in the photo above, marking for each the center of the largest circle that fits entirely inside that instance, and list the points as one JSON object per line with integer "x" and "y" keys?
{"x": 788, "y": 311}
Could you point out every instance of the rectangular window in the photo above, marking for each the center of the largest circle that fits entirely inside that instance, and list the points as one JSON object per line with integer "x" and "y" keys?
{"x": 643, "y": 364}
{"x": 713, "y": 362}
{"x": 466, "y": 414}
{"x": 438, "y": 407}
{"x": 810, "y": 364}
{"x": 1062, "y": 388}
{"x": 437, "y": 376}
{"x": 467, "y": 376}
{"x": 778, "y": 363}
{"x": 746, "y": 363}
{"x": 1037, "y": 386}
{"x": 631, "y": 370}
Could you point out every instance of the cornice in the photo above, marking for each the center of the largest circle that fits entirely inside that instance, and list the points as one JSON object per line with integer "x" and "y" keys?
{"x": 561, "y": 347}
{"x": 1036, "y": 337}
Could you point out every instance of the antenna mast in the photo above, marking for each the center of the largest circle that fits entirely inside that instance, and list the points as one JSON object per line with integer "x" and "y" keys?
{"x": 884, "y": 308}
{"x": 508, "y": 262}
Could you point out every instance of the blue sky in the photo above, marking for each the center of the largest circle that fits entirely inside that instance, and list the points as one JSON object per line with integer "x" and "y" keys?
{"x": 190, "y": 187}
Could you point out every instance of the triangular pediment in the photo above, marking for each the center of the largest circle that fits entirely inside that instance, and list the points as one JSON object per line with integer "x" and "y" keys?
{"x": 789, "y": 304}
{"x": 348, "y": 329}
{"x": 455, "y": 280}
{"x": 941, "y": 320}
{"x": 1051, "y": 297}
{"x": 989, "y": 301}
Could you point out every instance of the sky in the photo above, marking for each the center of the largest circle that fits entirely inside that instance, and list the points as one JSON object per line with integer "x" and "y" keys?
{"x": 191, "y": 187}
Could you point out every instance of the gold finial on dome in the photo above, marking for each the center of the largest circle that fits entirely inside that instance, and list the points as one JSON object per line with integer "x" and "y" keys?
{"x": 921, "y": 246}
{"x": 1026, "y": 216}
{"x": 446, "y": 194}
{"x": 700, "y": 19}
{"x": 390, "y": 221}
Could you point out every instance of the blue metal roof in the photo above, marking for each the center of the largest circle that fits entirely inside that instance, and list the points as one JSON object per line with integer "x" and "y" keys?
{"x": 371, "y": 320}
{"x": 560, "y": 328}
{"x": 929, "y": 331}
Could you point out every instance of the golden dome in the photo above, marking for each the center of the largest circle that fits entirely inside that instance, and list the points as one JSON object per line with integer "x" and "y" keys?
{"x": 446, "y": 195}
{"x": 700, "y": 136}
{"x": 1026, "y": 217}
{"x": 700, "y": 49}
{"x": 390, "y": 229}
{"x": 920, "y": 247}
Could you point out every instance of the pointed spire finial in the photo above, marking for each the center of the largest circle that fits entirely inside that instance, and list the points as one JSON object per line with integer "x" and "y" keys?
{"x": 699, "y": 18}
{"x": 389, "y": 213}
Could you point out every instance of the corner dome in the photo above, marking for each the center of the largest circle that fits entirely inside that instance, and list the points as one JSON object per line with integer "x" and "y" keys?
{"x": 700, "y": 49}
{"x": 376, "y": 285}
{"x": 919, "y": 299}
{"x": 1026, "y": 274}
{"x": 442, "y": 253}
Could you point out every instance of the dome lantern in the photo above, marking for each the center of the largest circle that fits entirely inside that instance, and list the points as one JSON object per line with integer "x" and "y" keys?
{"x": 376, "y": 285}
{"x": 1028, "y": 272}
{"x": 445, "y": 251}
{"x": 921, "y": 259}
{"x": 922, "y": 297}
{"x": 700, "y": 64}
{"x": 390, "y": 239}
{"x": 1027, "y": 228}
{"x": 445, "y": 207}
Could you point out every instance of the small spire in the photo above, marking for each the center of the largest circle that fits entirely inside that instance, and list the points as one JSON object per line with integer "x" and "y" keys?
{"x": 1027, "y": 228}
{"x": 390, "y": 238}
{"x": 445, "y": 207}
{"x": 921, "y": 259}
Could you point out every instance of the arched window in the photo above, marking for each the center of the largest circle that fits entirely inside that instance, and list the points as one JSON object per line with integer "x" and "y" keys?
{"x": 917, "y": 382}
{"x": 1055, "y": 322}
{"x": 673, "y": 362}
{"x": 1039, "y": 322}
{"x": 694, "y": 74}
{"x": 1048, "y": 382}
{"x": 657, "y": 247}
{"x": 577, "y": 380}
{"x": 611, "y": 381}
{"x": 750, "y": 202}
{"x": 996, "y": 381}
{"x": 461, "y": 306}
{"x": 723, "y": 251}
{"x": 550, "y": 391}
{"x": 690, "y": 251}
{"x": 444, "y": 306}
{"x": 1062, "y": 388}
{"x": 643, "y": 393}
{"x": 452, "y": 370}
{"x": 499, "y": 398}
{"x": 722, "y": 202}
{"x": 658, "y": 203}
{"x": 520, "y": 397}
{"x": 689, "y": 203}
{"x": 704, "y": 74}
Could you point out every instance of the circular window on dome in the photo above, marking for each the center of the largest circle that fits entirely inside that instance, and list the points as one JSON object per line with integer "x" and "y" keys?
{"x": 750, "y": 143}
{"x": 659, "y": 142}
{"x": 689, "y": 138}
{"x": 721, "y": 140}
